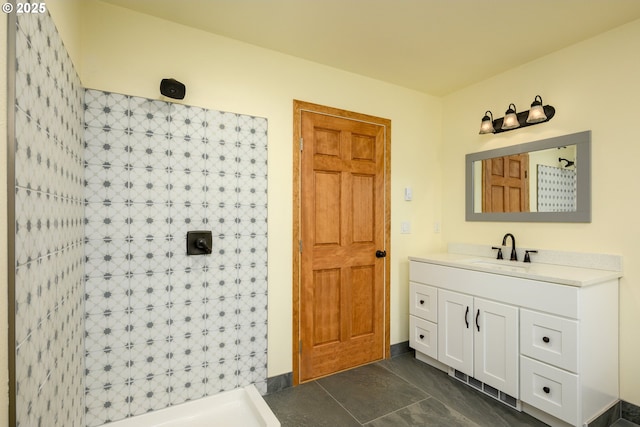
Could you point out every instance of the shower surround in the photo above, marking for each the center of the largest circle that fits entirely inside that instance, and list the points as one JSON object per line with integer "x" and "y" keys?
{"x": 48, "y": 212}
{"x": 163, "y": 327}
{"x": 112, "y": 319}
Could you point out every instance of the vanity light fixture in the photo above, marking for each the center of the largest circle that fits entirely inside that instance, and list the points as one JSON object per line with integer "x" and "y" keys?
{"x": 510, "y": 119}
{"x": 487, "y": 123}
{"x": 536, "y": 113}
{"x": 513, "y": 120}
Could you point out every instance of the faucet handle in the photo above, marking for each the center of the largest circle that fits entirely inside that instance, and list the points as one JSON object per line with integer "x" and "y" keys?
{"x": 527, "y": 258}
{"x": 499, "y": 251}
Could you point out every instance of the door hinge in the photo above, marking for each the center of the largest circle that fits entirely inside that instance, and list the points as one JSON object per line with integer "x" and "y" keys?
{"x": 300, "y": 245}
{"x": 301, "y": 143}
{"x": 300, "y": 347}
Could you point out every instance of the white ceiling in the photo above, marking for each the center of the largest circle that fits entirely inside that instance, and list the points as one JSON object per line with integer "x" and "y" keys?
{"x": 434, "y": 46}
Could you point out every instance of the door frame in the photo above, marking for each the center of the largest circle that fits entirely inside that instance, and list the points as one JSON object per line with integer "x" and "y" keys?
{"x": 298, "y": 108}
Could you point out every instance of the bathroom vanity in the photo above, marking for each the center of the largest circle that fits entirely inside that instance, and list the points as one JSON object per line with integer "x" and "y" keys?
{"x": 540, "y": 337}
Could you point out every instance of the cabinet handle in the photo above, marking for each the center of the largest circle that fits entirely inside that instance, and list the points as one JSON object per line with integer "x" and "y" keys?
{"x": 477, "y": 323}
{"x": 546, "y": 339}
{"x": 421, "y": 336}
{"x": 421, "y": 302}
{"x": 546, "y": 389}
{"x": 466, "y": 317}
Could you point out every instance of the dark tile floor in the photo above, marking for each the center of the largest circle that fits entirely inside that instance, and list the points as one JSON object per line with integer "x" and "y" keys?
{"x": 392, "y": 393}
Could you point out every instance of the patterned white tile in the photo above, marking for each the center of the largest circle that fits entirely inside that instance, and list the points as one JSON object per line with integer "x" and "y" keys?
{"x": 180, "y": 314}
{"x": 149, "y": 116}
{"x": 49, "y": 190}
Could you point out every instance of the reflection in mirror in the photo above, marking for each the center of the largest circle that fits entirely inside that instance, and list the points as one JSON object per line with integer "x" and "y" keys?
{"x": 547, "y": 180}
{"x": 538, "y": 181}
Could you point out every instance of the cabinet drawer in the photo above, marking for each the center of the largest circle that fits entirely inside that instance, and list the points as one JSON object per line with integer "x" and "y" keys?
{"x": 423, "y": 301}
{"x": 550, "y": 339}
{"x": 423, "y": 336}
{"x": 549, "y": 389}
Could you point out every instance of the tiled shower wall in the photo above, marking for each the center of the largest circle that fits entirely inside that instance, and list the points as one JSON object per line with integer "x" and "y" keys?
{"x": 163, "y": 327}
{"x": 49, "y": 252}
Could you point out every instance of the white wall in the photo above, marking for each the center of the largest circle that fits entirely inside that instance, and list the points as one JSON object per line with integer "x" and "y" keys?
{"x": 593, "y": 86}
{"x": 128, "y": 52}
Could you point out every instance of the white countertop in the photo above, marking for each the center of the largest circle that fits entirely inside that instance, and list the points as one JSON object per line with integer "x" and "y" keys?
{"x": 562, "y": 274}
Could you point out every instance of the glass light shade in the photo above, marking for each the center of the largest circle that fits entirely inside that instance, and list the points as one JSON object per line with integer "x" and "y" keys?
{"x": 487, "y": 124}
{"x": 536, "y": 113}
{"x": 510, "y": 119}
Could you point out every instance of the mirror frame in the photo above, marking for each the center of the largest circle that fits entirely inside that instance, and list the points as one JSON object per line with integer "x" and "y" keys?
{"x": 582, "y": 141}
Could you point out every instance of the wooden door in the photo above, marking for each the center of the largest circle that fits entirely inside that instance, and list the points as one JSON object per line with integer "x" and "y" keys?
{"x": 496, "y": 345}
{"x": 505, "y": 184}
{"x": 342, "y": 281}
{"x": 455, "y": 330}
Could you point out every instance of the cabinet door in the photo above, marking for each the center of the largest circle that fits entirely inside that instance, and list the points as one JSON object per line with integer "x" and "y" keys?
{"x": 496, "y": 345}
{"x": 455, "y": 333}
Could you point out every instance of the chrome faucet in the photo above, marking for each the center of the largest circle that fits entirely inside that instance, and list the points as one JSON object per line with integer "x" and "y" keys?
{"x": 514, "y": 255}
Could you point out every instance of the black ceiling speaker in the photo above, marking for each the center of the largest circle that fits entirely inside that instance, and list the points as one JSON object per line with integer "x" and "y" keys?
{"x": 172, "y": 88}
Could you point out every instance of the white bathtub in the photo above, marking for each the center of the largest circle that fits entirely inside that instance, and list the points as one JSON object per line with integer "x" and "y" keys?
{"x": 240, "y": 407}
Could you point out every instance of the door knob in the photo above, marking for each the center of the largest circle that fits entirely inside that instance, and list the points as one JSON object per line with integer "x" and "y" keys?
{"x": 381, "y": 254}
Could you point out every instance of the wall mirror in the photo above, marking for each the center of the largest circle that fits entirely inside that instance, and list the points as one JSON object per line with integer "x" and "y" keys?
{"x": 541, "y": 181}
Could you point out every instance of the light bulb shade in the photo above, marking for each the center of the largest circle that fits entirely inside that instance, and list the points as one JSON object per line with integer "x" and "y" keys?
{"x": 487, "y": 124}
{"x": 510, "y": 118}
{"x": 536, "y": 113}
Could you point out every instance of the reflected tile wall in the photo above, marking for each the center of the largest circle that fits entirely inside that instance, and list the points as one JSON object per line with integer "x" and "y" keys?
{"x": 163, "y": 327}
{"x": 48, "y": 229}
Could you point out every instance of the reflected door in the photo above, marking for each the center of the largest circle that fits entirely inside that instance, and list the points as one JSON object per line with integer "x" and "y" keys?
{"x": 342, "y": 282}
{"x": 505, "y": 184}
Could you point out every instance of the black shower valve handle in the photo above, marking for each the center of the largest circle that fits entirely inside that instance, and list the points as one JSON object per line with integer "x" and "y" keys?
{"x": 499, "y": 251}
{"x": 201, "y": 243}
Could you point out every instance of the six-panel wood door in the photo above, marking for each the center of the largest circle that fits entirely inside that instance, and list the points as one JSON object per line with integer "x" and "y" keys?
{"x": 505, "y": 184}
{"x": 342, "y": 217}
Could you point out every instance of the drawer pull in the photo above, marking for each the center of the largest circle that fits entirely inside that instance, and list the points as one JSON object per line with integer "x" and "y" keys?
{"x": 546, "y": 339}
{"x": 421, "y": 302}
{"x": 546, "y": 389}
{"x": 421, "y": 336}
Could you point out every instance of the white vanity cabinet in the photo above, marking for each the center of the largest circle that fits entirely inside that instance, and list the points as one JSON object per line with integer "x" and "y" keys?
{"x": 479, "y": 338}
{"x": 551, "y": 345}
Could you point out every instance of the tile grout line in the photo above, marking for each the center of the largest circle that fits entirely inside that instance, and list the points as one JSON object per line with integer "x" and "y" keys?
{"x": 340, "y": 404}
{"x": 397, "y": 410}
{"x": 404, "y": 379}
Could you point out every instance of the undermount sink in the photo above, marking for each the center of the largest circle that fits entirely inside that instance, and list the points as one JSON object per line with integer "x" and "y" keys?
{"x": 500, "y": 265}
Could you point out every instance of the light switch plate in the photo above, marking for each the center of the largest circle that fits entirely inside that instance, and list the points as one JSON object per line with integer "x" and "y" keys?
{"x": 408, "y": 194}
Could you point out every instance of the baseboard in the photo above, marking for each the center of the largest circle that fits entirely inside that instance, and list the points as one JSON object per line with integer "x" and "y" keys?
{"x": 279, "y": 382}
{"x": 400, "y": 348}
{"x": 630, "y": 412}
